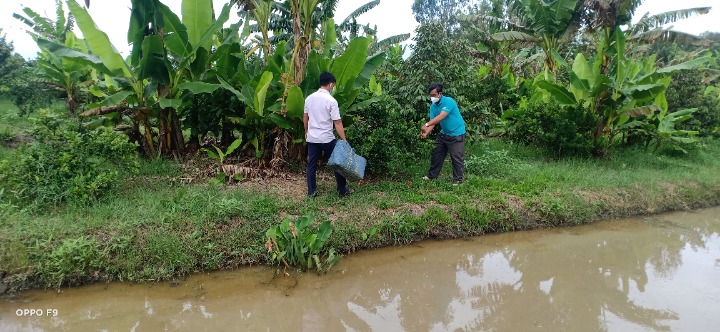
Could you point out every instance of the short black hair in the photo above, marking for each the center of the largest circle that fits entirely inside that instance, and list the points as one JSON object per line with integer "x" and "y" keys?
{"x": 326, "y": 78}
{"x": 434, "y": 86}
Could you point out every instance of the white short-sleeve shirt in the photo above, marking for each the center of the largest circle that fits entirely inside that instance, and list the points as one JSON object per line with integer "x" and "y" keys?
{"x": 322, "y": 109}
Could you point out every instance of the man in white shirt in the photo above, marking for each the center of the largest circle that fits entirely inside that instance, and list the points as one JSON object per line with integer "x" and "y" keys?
{"x": 321, "y": 113}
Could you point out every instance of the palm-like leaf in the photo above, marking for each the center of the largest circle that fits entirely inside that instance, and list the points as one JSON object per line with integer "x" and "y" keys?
{"x": 670, "y": 36}
{"x": 389, "y": 41}
{"x": 648, "y": 22}
{"x": 99, "y": 42}
{"x": 359, "y": 11}
{"x": 40, "y": 25}
{"x": 514, "y": 36}
{"x": 274, "y": 39}
{"x": 61, "y": 20}
{"x": 499, "y": 20}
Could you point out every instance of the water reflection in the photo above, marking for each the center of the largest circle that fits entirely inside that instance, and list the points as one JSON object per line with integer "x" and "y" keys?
{"x": 657, "y": 274}
{"x": 581, "y": 277}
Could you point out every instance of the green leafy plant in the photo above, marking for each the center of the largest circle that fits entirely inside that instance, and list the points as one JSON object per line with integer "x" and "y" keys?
{"x": 297, "y": 244}
{"x": 219, "y": 155}
{"x": 660, "y": 129}
{"x": 628, "y": 89}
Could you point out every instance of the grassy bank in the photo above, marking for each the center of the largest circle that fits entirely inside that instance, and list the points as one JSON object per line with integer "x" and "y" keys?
{"x": 156, "y": 227}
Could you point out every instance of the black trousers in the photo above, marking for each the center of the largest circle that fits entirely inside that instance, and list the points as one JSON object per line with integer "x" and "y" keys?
{"x": 315, "y": 150}
{"x": 444, "y": 144}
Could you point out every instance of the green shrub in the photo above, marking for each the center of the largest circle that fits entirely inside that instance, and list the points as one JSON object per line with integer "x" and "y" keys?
{"x": 6, "y": 135}
{"x": 482, "y": 102}
{"x": 563, "y": 131}
{"x": 387, "y": 139}
{"x": 687, "y": 90}
{"x": 66, "y": 163}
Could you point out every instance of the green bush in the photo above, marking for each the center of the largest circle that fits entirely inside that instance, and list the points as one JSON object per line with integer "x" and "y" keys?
{"x": 687, "y": 90}
{"x": 563, "y": 131}
{"x": 66, "y": 163}
{"x": 6, "y": 135}
{"x": 387, "y": 139}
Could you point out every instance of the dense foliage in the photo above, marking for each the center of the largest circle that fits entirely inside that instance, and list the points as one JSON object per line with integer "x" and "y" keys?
{"x": 387, "y": 137}
{"x": 66, "y": 163}
{"x": 562, "y": 130}
{"x": 19, "y": 80}
{"x": 204, "y": 83}
{"x": 688, "y": 90}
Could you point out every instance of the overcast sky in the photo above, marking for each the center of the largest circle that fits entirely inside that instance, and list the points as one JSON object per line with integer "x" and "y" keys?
{"x": 392, "y": 17}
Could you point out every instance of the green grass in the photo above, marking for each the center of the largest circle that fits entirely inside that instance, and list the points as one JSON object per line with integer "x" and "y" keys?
{"x": 11, "y": 126}
{"x": 155, "y": 227}
{"x": 10, "y": 120}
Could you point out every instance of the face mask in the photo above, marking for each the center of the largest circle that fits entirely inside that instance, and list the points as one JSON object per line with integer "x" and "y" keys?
{"x": 434, "y": 99}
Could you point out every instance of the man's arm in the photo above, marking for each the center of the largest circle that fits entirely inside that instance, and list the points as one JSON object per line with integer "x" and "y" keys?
{"x": 340, "y": 129}
{"x": 306, "y": 119}
{"x": 428, "y": 127}
{"x": 434, "y": 121}
{"x": 426, "y": 131}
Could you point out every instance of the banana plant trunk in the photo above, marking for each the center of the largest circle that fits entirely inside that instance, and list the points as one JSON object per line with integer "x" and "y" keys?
{"x": 301, "y": 38}
{"x": 170, "y": 139}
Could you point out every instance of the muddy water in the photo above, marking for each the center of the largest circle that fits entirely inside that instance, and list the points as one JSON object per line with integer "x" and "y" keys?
{"x": 658, "y": 273}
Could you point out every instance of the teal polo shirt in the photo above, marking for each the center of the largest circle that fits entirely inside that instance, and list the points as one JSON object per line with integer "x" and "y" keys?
{"x": 453, "y": 124}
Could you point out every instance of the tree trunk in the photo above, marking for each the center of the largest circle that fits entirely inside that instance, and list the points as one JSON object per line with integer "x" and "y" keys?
{"x": 170, "y": 139}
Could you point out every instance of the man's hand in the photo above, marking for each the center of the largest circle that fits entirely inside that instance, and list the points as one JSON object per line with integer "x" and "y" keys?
{"x": 426, "y": 129}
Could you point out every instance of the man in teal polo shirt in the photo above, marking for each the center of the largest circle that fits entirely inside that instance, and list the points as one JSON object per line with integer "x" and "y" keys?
{"x": 444, "y": 111}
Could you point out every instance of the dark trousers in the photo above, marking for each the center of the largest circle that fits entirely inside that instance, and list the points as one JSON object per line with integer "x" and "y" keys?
{"x": 444, "y": 144}
{"x": 314, "y": 152}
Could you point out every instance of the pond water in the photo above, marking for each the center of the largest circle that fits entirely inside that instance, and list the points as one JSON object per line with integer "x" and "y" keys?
{"x": 657, "y": 273}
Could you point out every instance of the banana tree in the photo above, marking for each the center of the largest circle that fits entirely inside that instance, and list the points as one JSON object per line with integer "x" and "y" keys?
{"x": 151, "y": 81}
{"x": 46, "y": 28}
{"x": 261, "y": 12}
{"x": 609, "y": 16}
{"x": 188, "y": 44}
{"x": 68, "y": 75}
{"x": 545, "y": 23}
{"x": 628, "y": 89}
{"x": 134, "y": 99}
{"x": 255, "y": 87}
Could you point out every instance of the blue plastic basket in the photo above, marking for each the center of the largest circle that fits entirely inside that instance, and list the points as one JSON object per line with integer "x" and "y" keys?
{"x": 345, "y": 161}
